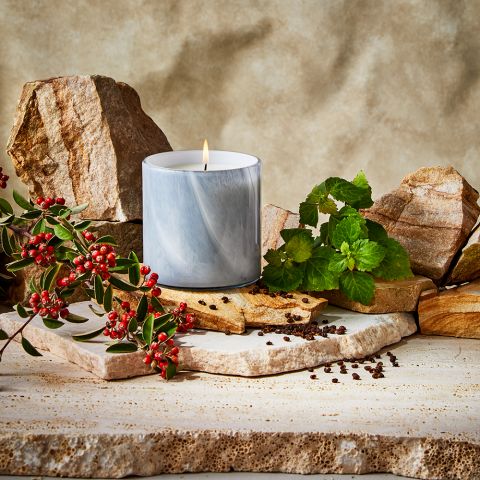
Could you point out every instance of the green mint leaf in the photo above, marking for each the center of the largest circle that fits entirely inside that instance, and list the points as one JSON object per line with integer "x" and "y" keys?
{"x": 309, "y": 214}
{"x": 327, "y": 205}
{"x": 348, "y": 230}
{"x": 358, "y": 286}
{"x": 317, "y": 276}
{"x": 361, "y": 180}
{"x": 376, "y": 232}
{"x": 287, "y": 277}
{"x": 299, "y": 248}
{"x": 323, "y": 238}
{"x": 368, "y": 255}
{"x": 288, "y": 233}
{"x": 274, "y": 257}
{"x": 396, "y": 263}
{"x": 338, "y": 263}
{"x": 349, "y": 193}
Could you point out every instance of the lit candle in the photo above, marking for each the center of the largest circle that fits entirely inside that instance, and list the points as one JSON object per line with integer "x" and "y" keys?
{"x": 201, "y": 218}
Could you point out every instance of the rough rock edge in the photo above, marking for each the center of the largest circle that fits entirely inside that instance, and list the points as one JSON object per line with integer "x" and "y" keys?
{"x": 105, "y": 455}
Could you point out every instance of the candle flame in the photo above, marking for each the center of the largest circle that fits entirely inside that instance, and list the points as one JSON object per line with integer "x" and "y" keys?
{"x": 205, "y": 153}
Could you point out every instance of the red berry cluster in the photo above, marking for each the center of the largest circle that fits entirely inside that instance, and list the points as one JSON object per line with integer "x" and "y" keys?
{"x": 38, "y": 249}
{"x": 66, "y": 281}
{"x": 115, "y": 328}
{"x": 160, "y": 352}
{"x": 46, "y": 203}
{"x": 89, "y": 236}
{"x": 151, "y": 281}
{"x": 98, "y": 261}
{"x": 3, "y": 179}
{"x": 48, "y": 305}
{"x": 185, "y": 322}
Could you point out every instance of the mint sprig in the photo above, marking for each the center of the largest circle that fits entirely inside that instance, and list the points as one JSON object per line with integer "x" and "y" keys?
{"x": 349, "y": 252}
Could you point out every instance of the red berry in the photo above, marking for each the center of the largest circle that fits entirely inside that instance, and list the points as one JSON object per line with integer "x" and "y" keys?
{"x": 125, "y": 305}
{"x": 145, "y": 270}
{"x": 80, "y": 269}
{"x": 150, "y": 309}
{"x": 174, "y": 351}
{"x": 89, "y": 236}
{"x": 45, "y": 294}
{"x": 154, "y": 276}
{"x": 150, "y": 283}
{"x": 174, "y": 359}
{"x": 156, "y": 292}
{"x": 35, "y": 297}
{"x": 39, "y": 200}
{"x": 72, "y": 277}
{"x": 64, "y": 312}
{"x": 88, "y": 265}
{"x": 176, "y": 311}
{"x": 132, "y": 313}
{"x": 48, "y": 236}
{"x": 189, "y": 318}
{"x": 170, "y": 342}
{"x": 113, "y": 334}
{"x": 183, "y": 306}
{"x": 125, "y": 317}
{"x": 113, "y": 315}
{"x": 163, "y": 373}
{"x": 38, "y": 259}
{"x": 24, "y": 254}
{"x": 154, "y": 346}
{"x": 53, "y": 313}
{"x": 32, "y": 253}
{"x": 147, "y": 360}
{"x": 43, "y": 312}
{"x": 60, "y": 201}
{"x": 105, "y": 275}
{"x": 162, "y": 336}
{"x": 106, "y": 332}
{"x": 36, "y": 309}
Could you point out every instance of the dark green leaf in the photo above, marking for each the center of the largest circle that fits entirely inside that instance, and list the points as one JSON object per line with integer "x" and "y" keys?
{"x": 31, "y": 214}
{"x": 65, "y": 213}
{"x": 107, "y": 239}
{"x": 317, "y": 274}
{"x": 29, "y": 348}
{"x": 309, "y": 214}
{"x": 299, "y": 248}
{"x": 98, "y": 289}
{"x": 132, "y": 325}
{"x": 83, "y": 337}
{"x": 19, "y": 264}
{"x": 288, "y": 233}
{"x": 82, "y": 225}
{"x": 65, "y": 253}
{"x": 125, "y": 262}
{"x": 147, "y": 329}
{"x": 287, "y": 277}
{"x": 79, "y": 208}
{"x": 358, "y": 286}
{"x": 72, "y": 318}
{"x": 52, "y": 220}
{"x": 142, "y": 308}
{"x": 396, "y": 264}
{"x": 21, "y": 201}
{"x": 376, "y": 232}
{"x": 7, "y": 220}
{"x": 52, "y": 323}
{"x": 274, "y": 257}
{"x": 134, "y": 270}
{"x": 121, "y": 284}
{"x": 122, "y": 347}
{"x": 108, "y": 298}
{"x": 158, "y": 307}
{"x": 6, "y": 245}
{"x": 368, "y": 255}
{"x": 169, "y": 328}
{"x": 39, "y": 227}
{"x": 345, "y": 191}
{"x": 62, "y": 232}
{"x": 171, "y": 370}
{"x": 50, "y": 276}
{"x": 57, "y": 209}
{"x": 3, "y": 334}
{"x": 5, "y": 207}
{"x": 161, "y": 321}
{"x": 80, "y": 247}
{"x": 21, "y": 311}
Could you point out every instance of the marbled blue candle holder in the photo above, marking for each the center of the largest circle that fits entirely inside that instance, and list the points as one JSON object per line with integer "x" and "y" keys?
{"x": 201, "y": 229}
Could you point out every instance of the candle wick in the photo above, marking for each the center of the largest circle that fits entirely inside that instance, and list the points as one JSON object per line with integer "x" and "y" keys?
{"x": 205, "y": 168}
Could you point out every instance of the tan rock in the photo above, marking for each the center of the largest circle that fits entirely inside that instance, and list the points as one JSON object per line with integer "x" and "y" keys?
{"x": 431, "y": 214}
{"x": 454, "y": 312}
{"x": 243, "y": 309}
{"x": 390, "y": 296}
{"x": 127, "y": 234}
{"x": 467, "y": 267}
{"x": 84, "y": 138}
{"x": 274, "y": 220}
{"x": 214, "y": 352}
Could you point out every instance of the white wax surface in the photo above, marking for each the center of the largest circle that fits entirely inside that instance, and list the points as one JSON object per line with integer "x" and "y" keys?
{"x": 194, "y": 167}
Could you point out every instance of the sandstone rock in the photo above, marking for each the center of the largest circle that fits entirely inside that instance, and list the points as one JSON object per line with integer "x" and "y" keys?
{"x": 243, "y": 309}
{"x": 390, "y": 296}
{"x": 84, "y": 137}
{"x": 420, "y": 421}
{"x": 214, "y": 352}
{"x": 127, "y": 234}
{"x": 431, "y": 214}
{"x": 275, "y": 219}
{"x": 454, "y": 312}
{"x": 467, "y": 267}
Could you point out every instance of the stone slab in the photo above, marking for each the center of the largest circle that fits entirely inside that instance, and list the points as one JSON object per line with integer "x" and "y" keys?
{"x": 420, "y": 421}
{"x": 243, "y": 309}
{"x": 214, "y": 352}
{"x": 390, "y": 296}
{"x": 467, "y": 266}
{"x": 453, "y": 312}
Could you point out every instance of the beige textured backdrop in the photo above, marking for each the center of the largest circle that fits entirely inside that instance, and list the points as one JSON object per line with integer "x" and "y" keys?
{"x": 314, "y": 88}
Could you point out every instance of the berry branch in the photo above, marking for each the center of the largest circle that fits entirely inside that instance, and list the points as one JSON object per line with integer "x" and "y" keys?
{"x": 70, "y": 257}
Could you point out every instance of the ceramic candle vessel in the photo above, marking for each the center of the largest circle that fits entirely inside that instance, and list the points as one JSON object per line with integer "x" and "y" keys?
{"x": 201, "y": 229}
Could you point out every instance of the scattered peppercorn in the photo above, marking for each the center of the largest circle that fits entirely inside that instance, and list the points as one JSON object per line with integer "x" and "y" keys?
{"x": 225, "y": 299}
{"x": 287, "y": 339}
{"x": 355, "y": 376}
{"x": 260, "y": 333}
{"x": 334, "y": 380}
{"x": 313, "y": 377}
{"x": 305, "y": 300}
{"x": 202, "y": 302}
{"x": 269, "y": 343}
{"x": 228, "y": 332}
{"x": 212, "y": 307}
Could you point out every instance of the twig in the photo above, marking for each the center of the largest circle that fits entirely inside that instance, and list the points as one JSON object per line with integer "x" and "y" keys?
{"x": 10, "y": 339}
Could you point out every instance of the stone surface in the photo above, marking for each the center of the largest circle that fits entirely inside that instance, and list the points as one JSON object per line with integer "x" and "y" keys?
{"x": 390, "y": 296}
{"x": 246, "y": 355}
{"x": 127, "y": 234}
{"x": 431, "y": 214}
{"x": 453, "y": 312}
{"x": 84, "y": 138}
{"x": 467, "y": 267}
{"x": 242, "y": 310}
{"x": 420, "y": 421}
{"x": 274, "y": 220}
